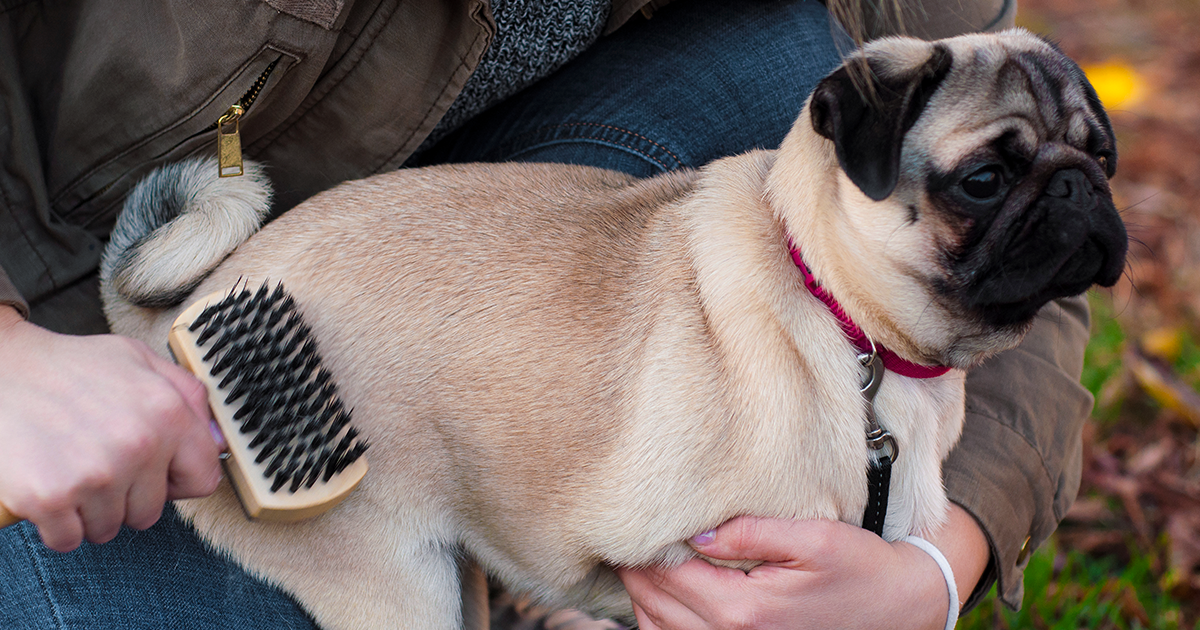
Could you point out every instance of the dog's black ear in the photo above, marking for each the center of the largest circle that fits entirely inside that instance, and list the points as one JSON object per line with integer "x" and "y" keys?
{"x": 867, "y": 126}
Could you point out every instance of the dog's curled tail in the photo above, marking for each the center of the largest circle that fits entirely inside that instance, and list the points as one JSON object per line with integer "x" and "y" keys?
{"x": 177, "y": 224}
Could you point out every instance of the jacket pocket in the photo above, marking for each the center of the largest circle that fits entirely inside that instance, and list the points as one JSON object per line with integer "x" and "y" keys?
{"x": 93, "y": 199}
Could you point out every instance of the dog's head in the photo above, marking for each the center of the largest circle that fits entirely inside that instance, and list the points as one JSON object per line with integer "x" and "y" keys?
{"x": 964, "y": 185}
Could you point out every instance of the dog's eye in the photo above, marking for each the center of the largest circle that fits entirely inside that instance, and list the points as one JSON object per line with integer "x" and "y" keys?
{"x": 984, "y": 183}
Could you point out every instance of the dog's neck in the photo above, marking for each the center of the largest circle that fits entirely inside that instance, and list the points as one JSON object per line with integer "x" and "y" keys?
{"x": 891, "y": 360}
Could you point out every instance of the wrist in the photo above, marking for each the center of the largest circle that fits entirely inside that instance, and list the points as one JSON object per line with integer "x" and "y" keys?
{"x": 965, "y": 547}
{"x": 925, "y": 588}
{"x": 952, "y": 606}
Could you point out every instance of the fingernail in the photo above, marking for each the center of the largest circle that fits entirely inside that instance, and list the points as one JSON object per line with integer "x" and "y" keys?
{"x": 704, "y": 538}
{"x": 218, "y": 437}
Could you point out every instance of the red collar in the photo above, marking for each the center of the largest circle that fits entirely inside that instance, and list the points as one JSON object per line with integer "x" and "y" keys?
{"x": 891, "y": 360}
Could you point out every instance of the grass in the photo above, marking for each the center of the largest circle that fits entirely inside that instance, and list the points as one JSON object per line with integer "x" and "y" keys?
{"x": 1066, "y": 590}
{"x": 1102, "y": 365}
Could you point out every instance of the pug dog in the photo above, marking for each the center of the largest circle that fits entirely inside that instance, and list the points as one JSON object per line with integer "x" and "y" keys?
{"x": 563, "y": 369}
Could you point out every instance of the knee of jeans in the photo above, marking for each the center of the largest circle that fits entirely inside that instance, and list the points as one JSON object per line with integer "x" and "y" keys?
{"x": 599, "y": 155}
{"x": 592, "y": 144}
{"x": 591, "y": 154}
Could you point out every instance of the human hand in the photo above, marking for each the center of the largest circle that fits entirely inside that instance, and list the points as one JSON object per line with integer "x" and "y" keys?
{"x": 816, "y": 574}
{"x": 98, "y": 431}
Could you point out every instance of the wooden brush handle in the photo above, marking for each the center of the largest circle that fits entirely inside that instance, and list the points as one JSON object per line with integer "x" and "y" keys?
{"x": 8, "y": 518}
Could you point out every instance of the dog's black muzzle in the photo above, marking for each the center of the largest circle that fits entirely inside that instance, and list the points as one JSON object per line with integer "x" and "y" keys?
{"x": 1057, "y": 234}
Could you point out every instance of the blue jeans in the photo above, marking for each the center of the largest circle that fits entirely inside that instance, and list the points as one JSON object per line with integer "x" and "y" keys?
{"x": 700, "y": 80}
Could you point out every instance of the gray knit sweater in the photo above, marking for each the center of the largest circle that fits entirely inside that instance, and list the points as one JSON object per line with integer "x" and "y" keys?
{"x": 533, "y": 39}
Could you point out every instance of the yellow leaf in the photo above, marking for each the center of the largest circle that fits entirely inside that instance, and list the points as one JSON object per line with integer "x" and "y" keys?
{"x": 1164, "y": 343}
{"x": 1164, "y": 386}
{"x": 1117, "y": 83}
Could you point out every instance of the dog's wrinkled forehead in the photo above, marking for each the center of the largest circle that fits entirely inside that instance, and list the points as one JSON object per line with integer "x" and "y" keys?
{"x": 902, "y": 107}
{"x": 1016, "y": 87}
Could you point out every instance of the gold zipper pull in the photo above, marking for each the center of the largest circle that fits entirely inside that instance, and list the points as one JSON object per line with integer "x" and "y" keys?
{"x": 229, "y": 143}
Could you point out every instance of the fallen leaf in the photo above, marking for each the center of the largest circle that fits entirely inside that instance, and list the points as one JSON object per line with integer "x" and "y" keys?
{"x": 1164, "y": 343}
{"x": 1162, "y": 384}
{"x": 1117, "y": 83}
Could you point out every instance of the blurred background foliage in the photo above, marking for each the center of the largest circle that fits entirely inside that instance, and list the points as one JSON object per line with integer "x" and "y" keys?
{"x": 1128, "y": 553}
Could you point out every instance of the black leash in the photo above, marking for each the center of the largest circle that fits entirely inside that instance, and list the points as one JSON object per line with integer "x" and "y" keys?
{"x": 879, "y": 476}
{"x": 879, "y": 472}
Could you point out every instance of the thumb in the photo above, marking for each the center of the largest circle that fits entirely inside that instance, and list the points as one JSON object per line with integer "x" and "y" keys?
{"x": 773, "y": 540}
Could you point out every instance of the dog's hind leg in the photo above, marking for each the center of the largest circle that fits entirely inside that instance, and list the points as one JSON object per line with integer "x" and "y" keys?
{"x": 409, "y": 587}
{"x": 396, "y": 573}
{"x": 429, "y": 593}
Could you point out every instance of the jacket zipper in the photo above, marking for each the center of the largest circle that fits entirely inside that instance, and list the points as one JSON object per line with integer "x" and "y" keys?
{"x": 228, "y": 127}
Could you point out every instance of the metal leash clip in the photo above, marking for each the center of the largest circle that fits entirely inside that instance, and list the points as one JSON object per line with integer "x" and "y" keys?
{"x": 877, "y": 437}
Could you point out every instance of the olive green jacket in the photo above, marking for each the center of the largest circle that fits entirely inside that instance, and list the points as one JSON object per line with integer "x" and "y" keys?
{"x": 93, "y": 96}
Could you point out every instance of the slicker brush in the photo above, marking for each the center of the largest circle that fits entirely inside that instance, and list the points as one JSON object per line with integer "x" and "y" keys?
{"x": 292, "y": 451}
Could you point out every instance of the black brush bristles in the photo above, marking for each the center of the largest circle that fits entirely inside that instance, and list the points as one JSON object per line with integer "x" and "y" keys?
{"x": 266, "y": 363}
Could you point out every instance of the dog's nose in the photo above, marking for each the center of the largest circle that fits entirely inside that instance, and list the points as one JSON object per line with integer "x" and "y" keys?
{"x": 1072, "y": 185}
{"x": 1100, "y": 256}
